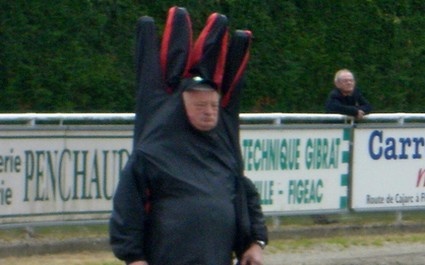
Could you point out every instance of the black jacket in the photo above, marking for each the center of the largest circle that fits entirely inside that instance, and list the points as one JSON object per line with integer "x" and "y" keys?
{"x": 347, "y": 105}
{"x": 182, "y": 196}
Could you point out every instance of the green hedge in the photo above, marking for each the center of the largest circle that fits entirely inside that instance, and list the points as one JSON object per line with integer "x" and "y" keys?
{"x": 77, "y": 55}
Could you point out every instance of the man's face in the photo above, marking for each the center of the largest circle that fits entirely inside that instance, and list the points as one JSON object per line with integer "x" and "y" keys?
{"x": 345, "y": 83}
{"x": 202, "y": 108}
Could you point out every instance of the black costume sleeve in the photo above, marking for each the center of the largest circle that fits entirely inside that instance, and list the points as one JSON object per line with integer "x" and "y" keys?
{"x": 130, "y": 204}
{"x": 250, "y": 218}
{"x": 258, "y": 227}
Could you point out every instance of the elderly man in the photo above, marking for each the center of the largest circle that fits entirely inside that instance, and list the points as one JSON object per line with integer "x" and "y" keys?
{"x": 345, "y": 98}
{"x": 182, "y": 198}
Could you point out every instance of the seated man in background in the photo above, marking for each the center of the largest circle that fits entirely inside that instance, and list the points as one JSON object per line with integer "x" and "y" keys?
{"x": 345, "y": 98}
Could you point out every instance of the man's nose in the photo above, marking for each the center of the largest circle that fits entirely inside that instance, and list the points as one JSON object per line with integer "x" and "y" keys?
{"x": 209, "y": 109}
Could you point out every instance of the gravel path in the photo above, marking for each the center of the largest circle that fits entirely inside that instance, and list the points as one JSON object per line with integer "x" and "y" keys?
{"x": 387, "y": 254}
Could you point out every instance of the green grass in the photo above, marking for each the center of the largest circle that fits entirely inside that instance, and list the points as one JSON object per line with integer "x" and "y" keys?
{"x": 285, "y": 222}
{"x": 354, "y": 218}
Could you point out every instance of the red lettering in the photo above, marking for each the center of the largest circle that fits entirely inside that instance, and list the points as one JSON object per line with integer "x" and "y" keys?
{"x": 420, "y": 176}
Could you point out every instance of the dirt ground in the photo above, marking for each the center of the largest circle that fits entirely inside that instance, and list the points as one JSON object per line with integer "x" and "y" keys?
{"x": 387, "y": 254}
{"x": 377, "y": 250}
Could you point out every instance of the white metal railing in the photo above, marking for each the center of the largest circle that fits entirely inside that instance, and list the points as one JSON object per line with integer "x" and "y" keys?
{"x": 275, "y": 118}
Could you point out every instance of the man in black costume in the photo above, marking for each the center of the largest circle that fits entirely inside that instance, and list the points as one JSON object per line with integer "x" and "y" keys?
{"x": 182, "y": 198}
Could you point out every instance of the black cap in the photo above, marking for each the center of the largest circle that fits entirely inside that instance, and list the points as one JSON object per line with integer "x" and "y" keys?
{"x": 198, "y": 83}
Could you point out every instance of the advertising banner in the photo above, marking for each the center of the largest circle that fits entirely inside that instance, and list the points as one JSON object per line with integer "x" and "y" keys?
{"x": 59, "y": 174}
{"x": 388, "y": 169}
{"x": 65, "y": 174}
{"x": 298, "y": 170}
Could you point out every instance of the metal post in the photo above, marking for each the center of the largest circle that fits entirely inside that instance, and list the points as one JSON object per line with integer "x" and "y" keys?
{"x": 276, "y": 223}
{"x": 398, "y": 217}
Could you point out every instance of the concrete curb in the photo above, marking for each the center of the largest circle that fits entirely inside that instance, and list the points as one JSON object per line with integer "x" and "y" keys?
{"x": 345, "y": 230}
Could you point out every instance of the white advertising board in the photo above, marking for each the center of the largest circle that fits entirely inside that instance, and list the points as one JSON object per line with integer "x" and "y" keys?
{"x": 59, "y": 174}
{"x": 62, "y": 174}
{"x": 298, "y": 170}
{"x": 388, "y": 169}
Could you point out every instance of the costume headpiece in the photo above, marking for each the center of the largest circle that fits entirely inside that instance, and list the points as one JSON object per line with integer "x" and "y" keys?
{"x": 214, "y": 58}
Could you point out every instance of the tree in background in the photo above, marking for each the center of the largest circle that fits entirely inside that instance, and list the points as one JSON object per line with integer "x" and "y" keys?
{"x": 77, "y": 56}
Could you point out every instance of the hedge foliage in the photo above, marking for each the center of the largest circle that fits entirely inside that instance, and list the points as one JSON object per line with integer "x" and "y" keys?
{"x": 77, "y": 55}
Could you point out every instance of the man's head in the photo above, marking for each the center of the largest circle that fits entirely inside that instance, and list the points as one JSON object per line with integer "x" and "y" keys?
{"x": 345, "y": 82}
{"x": 202, "y": 102}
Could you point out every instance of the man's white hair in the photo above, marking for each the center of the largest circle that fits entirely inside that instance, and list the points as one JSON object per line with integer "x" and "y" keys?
{"x": 338, "y": 74}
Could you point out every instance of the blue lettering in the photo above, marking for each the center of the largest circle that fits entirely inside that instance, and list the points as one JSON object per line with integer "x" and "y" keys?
{"x": 375, "y": 155}
{"x": 390, "y": 150}
{"x": 404, "y": 142}
{"x": 387, "y": 146}
{"x": 417, "y": 142}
